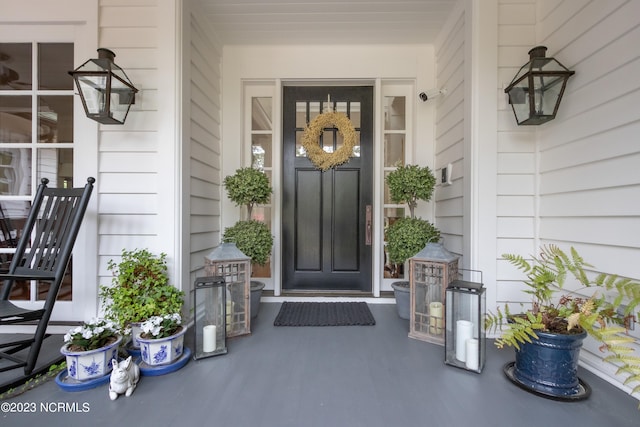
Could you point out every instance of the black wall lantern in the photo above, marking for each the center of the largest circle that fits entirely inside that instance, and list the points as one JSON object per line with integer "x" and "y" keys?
{"x": 535, "y": 92}
{"x": 105, "y": 90}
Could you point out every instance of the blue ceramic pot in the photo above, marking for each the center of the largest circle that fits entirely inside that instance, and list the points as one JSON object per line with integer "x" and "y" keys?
{"x": 549, "y": 364}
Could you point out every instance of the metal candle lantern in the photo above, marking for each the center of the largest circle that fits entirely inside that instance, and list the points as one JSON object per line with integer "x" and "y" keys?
{"x": 431, "y": 270}
{"x": 228, "y": 262}
{"x": 209, "y": 328}
{"x": 465, "y": 341}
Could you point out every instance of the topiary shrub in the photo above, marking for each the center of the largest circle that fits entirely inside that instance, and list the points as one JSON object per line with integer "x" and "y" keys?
{"x": 253, "y": 238}
{"x": 248, "y": 187}
{"x": 407, "y": 236}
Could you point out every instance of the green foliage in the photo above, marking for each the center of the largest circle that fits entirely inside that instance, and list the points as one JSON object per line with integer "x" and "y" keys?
{"x": 253, "y": 238}
{"x": 410, "y": 183}
{"x": 140, "y": 288}
{"x": 407, "y": 236}
{"x": 248, "y": 187}
{"x": 558, "y": 311}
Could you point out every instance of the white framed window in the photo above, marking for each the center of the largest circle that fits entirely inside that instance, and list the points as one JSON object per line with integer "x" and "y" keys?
{"x": 44, "y": 134}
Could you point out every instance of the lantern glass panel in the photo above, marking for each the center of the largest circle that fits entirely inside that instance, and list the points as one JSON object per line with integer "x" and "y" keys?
{"x": 92, "y": 88}
{"x": 121, "y": 97}
{"x": 209, "y": 317}
{"x": 465, "y": 343}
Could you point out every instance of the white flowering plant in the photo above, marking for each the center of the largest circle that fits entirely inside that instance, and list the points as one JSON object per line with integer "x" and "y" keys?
{"x": 91, "y": 335}
{"x": 161, "y": 326}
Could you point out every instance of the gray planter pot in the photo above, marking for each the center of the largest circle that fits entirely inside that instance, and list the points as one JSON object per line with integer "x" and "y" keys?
{"x": 403, "y": 299}
{"x": 256, "y": 294}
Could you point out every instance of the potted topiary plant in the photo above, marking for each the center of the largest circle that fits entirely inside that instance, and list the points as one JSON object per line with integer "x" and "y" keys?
{"x": 407, "y": 236}
{"x": 248, "y": 187}
{"x": 140, "y": 289}
{"x": 548, "y": 336}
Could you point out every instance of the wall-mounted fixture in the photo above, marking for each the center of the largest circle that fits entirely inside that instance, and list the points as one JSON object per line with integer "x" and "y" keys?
{"x": 535, "y": 92}
{"x": 432, "y": 93}
{"x": 105, "y": 90}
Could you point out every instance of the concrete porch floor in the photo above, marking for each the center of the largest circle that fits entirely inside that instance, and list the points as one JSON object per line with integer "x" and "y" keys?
{"x": 329, "y": 376}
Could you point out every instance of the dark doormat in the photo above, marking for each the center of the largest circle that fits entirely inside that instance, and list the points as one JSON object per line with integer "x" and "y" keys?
{"x": 324, "y": 314}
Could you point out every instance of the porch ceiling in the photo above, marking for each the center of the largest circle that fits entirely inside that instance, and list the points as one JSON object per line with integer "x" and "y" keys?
{"x": 327, "y": 21}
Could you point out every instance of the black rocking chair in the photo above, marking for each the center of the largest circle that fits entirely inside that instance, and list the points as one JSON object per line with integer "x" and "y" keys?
{"x": 42, "y": 254}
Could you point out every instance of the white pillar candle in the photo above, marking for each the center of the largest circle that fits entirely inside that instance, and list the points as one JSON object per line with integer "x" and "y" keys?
{"x": 472, "y": 361}
{"x": 464, "y": 331}
{"x": 435, "y": 318}
{"x": 209, "y": 338}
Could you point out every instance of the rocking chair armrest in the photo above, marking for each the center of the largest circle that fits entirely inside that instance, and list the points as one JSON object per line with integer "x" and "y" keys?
{"x": 36, "y": 275}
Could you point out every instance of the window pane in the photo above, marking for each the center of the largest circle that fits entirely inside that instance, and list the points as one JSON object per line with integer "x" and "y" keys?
{"x": 301, "y": 114}
{"x": 15, "y": 119}
{"x": 15, "y": 66}
{"x": 55, "y": 119}
{"x": 55, "y": 60}
{"x": 261, "y": 151}
{"x": 15, "y": 171}
{"x": 394, "y": 113}
{"x": 13, "y": 214}
{"x": 56, "y": 164}
{"x": 391, "y": 215}
{"x": 327, "y": 141}
{"x": 314, "y": 110}
{"x": 393, "y": 150}
{"x": 354, "y": 114}
{"x": 300, "y": 151}
{"x": 261, "y": 114}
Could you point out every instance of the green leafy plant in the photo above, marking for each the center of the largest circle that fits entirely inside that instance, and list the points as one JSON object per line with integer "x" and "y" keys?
{"x": 605, "y": 314}
{"x": 407, "y": 236}
{"x": 409, "y": 184}
{"x": 140, "y": 288}
{"x": 253, "y": 238}
{"x": 248, "y": 187}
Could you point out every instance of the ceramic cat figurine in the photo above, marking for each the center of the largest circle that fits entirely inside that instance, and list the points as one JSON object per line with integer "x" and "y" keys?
{"x": 124, "y": 378}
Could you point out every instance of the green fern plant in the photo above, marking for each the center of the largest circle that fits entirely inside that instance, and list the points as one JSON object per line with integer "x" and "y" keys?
{"x": 605, "y": 315}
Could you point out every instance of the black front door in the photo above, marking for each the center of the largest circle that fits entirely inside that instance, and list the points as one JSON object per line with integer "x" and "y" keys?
{"x": 327, "y": 215}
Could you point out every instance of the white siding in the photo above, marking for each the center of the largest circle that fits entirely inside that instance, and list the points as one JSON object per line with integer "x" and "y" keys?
{"x": 573, "y": 181}
{"x": 450, "y": 132}
{"x": 128, "y": 154}
{"x": 202, "y": 150}
{"x": 137, "y": 162}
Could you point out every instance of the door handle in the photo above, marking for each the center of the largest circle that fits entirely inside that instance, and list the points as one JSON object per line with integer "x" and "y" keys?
{"x": 368, "y": 231}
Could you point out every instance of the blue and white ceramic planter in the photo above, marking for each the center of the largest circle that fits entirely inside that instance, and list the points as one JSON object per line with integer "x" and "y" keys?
{"x": 91, "y": 364}
{"x": 162, "y": 351}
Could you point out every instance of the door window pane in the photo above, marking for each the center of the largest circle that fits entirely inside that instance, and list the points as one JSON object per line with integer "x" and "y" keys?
{"x": 56, "y": 164}
{"x": 261, "y": 151}
{"x": 15, "y": 119}
{"x": 15, "y": 171}
{"x": 261, "y": 114}
{"x": 393, "y": 149}
{"x": 53, "y": 66}
{"x": 55, "y": 119}
{"x": 15, "y": 66}
{"x": 354, "y": 114}
{"x": 394, "y": 113}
